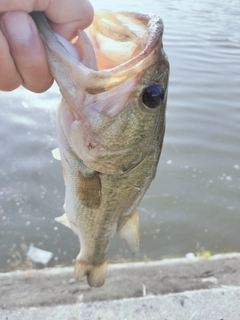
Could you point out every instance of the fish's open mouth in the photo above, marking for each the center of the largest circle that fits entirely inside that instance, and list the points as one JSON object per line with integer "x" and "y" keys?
{"x": 117, "y": 38}
{"x": 124, "y": 44}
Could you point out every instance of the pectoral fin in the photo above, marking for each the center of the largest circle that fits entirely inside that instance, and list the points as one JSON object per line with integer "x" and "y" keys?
{"x": 63, "y": 220}
{"x": 129, "y": 231}
{"x": 89, "y": 190}
{"x": 56, "y": 154}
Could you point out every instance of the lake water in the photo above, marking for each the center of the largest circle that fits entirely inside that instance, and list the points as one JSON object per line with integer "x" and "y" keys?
{"x": 194, "y": 203}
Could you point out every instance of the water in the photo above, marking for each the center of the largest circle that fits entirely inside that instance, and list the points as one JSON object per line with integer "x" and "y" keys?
{"x": 194, "y": 203}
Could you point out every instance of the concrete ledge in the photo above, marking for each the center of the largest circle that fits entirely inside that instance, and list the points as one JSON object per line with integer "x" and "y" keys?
{"x": 53, "y": 293}
{"x": 128, "y": 265}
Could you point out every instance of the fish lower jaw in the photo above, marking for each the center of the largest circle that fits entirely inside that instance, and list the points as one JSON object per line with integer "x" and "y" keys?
{"x": 96, "y": 273}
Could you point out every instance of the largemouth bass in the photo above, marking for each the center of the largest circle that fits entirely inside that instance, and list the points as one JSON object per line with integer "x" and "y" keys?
{"x": 110, "y": 126}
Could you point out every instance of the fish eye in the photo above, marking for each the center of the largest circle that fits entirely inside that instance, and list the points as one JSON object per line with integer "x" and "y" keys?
{"x": 153, "y": 95}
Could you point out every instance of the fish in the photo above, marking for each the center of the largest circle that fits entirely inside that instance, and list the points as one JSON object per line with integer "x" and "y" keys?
{"x": 113, "y": 78}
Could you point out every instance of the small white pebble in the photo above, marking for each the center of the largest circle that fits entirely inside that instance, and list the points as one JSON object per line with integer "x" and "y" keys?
{"x": 71, "y": 281}
{"x": 144, "y": 290}
{"x": 210, "y": 279}
{"x": 190, "y": 256}
{"x": 80, "y": 298}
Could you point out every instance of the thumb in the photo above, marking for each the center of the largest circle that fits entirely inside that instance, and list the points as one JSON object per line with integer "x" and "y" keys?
{"x": 68, "y": 16}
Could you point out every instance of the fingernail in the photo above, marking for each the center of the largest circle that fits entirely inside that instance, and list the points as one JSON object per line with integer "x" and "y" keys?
{"x": 17, "y": 25}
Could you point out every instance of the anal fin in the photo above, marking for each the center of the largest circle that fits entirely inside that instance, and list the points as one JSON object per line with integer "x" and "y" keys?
{"x": 129, "y": 231}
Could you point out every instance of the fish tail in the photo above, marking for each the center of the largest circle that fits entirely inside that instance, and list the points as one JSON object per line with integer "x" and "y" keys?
{"x": 96, "y": 273}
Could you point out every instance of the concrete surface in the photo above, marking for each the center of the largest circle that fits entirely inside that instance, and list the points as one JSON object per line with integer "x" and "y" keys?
{"x": 53, "y": 294}
{"x": 214, "y": 304}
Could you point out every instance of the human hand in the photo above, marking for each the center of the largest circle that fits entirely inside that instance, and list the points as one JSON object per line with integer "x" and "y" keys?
{"x": 22, "y": 56}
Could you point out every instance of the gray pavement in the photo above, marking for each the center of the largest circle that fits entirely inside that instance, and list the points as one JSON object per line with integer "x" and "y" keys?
{"x": 213, "y": 304}
{"x": 146, "y": 290}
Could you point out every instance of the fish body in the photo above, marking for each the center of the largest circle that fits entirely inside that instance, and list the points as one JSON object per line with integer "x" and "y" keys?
{"x": 110, "y": 125}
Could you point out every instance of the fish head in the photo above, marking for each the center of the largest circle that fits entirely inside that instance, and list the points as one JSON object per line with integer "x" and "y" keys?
{"x": 114, "y": 80}
{"x": 127, "y": 112}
